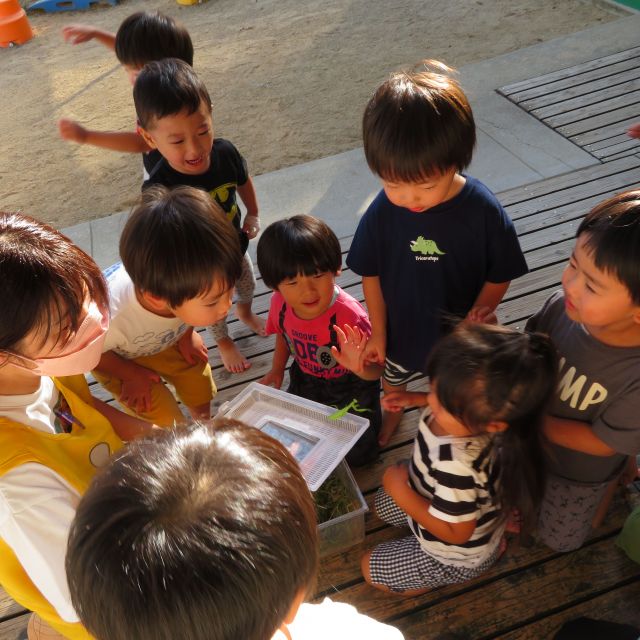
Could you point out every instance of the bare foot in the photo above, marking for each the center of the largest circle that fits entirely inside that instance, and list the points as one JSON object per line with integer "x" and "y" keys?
{"x": 390, "y": 422}
{"x": 232, "y": 359}
{"x": 246, "y": 315}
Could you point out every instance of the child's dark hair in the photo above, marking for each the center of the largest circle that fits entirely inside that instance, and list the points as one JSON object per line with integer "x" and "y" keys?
{"x": 178, "y": 243}
{"x": 484, "y": 374}
{"x": 45, "y": 281}
{"x": 167, "y": 87}
{"x": 146, "y": 36}
{"x": 297, "y": 245}
{"x": 418, "y": 124}
{"x": 200, "y": 533}
{"x": 612, "y": 231}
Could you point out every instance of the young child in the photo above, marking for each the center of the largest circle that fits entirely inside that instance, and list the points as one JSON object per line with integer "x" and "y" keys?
{"x": 299, "y": 258}
{"x": 216, "y": 540}
{"x": 595, "y": 324}
{"x": 180, "y": 260}
{"x": 477, "y": 455}
{"x": 435, "y": 242}
{"x": 142, "y": 37}
{"x": 53, "y": 434}
{"x": 174, "y": 112}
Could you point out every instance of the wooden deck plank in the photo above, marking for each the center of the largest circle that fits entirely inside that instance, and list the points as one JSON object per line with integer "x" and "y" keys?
{"x": 515, "y": 199}
{"x": 548, "y": 97}
{"x": 602, "y": 120}
{"x": 585, "y": 71}
{"x": 612, "y": 606}
{"x": 605, "y": 132}
{"x": 602, "y": 108}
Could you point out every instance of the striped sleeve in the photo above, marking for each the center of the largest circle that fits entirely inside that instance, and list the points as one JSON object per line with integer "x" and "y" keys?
{"x": 455, "y": 495}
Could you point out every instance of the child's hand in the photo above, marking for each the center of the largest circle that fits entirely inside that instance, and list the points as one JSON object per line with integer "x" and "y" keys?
{"x": 634, "y": 130}
{"x": 395, "y": 478}
{"x": 399, "y": 400}
{"x": 352, "y": 343}
{"x": 482, "y": 315}
{"x": 375, "y": 350}
{"x": 251, "y": 226}
{"x": 272, "y": 379}
{"x": 192, "y": 348}
{"x": 78, "y": 33}
{"x": 136, "y": 391}
{"x": 72, "y": 131}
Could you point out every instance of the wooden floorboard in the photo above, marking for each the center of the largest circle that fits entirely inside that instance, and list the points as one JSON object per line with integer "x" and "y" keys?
{"x": 587, "y": 103}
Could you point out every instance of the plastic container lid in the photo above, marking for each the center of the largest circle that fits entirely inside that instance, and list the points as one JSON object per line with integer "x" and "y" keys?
{"x": 317, "y": 435}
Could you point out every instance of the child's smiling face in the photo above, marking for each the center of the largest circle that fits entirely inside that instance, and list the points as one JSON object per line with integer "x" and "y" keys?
{"x": 596, "y": 298}
{"x": 309, "y": 296}
{"x": 429, "y": 192}
{"x": 184, "y": 139}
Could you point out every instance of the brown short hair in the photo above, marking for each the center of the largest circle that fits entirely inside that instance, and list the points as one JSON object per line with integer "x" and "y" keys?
{"x": 146, "y": 36}
{"x": 203, "y": 533}
{"x": 45, "y": 277}
{"x": 166, "y": 87}
{"x": 177, "y": 243}
{"x": 418, "y": 124}
{"x": 612, "y": 229}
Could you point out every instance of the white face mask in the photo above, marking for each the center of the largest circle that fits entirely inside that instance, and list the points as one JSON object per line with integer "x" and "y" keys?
{"x": 80, "y": 355}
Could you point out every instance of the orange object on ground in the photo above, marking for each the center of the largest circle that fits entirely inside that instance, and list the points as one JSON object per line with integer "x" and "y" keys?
{"x": 14, "y": 25}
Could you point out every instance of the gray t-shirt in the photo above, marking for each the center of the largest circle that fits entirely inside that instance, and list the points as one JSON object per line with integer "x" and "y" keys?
{"x": 598, "y": 384}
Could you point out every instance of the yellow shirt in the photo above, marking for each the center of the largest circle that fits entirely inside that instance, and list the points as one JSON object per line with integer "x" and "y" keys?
{"x": 74, "y": 456}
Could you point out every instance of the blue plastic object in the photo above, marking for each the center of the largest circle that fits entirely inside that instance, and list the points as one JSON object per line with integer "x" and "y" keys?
{"x": 67, "y": 5}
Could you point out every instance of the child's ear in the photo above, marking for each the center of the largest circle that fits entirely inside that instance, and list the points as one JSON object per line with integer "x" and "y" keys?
{"x": 153, "y": 302}
{"x": 338, "y": 272}
{"x": 295, "y": 605}
{"x": 636, "y": 315}
{"x": 497, "y": 427}
{"x": 146, "y": 136}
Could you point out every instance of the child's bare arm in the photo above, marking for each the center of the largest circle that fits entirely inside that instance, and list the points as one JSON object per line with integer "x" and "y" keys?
{"x": 127, "y": 427}
{"x": 488, "y": 299}
{"x": 247, "y": 193}
{"x": 136, "y": 380}
{"x": 79, "y": 33}
{"x": 396, "y": 483}
{"x": 576, "y": 435}
{"x": 280, "y": 358}
{"x": 124, "y": 141}
{"x": 399, "y": 400}
{"x": 375, "y": 350}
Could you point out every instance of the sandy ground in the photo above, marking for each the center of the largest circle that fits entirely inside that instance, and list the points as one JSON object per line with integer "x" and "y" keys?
{"x": 288, "y": 78}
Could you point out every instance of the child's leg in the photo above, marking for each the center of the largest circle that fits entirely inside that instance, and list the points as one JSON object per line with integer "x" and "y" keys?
{"x": 567, "y": 511}
{"x": 164, "y": 410}
{"x": 404, "y": 567}
{"x": 232, "y": 359}
{"x": 193, "y": 383}
{"x": 245, "y": 288}
{"x": 386, "y": 509}
{"x": 395, "y": 378}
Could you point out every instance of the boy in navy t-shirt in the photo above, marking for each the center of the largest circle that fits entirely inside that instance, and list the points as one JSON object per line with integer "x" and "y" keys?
{"x": 435, "y": 243}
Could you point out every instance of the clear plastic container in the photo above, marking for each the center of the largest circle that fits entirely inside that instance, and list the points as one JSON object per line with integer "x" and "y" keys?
{"x": 347, "y": 530}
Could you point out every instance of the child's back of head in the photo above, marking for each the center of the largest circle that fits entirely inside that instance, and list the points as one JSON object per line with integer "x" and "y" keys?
{"x": 612, "y": 229}
{"x": 488, "y": 374}
{"x": 165, "y": 88}
{"x": 300, "y": 245}
{"x": 418, "y": 124}
{"x": 203, "y": 533}
{"x": 178, "y": 244}
{"x": 146, "y": 36}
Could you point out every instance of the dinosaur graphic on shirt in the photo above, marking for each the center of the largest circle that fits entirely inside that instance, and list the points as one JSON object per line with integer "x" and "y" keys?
{"x": 425, "y": 247}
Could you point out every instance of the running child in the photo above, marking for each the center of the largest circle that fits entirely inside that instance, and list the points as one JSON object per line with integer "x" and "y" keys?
{"x": 142, "y": 37}
{"x": 435, "y": 242}
{"x": 180, "y": 261}
{"x": 477, "y": 455}
{"x": 174, "y": 112}
{"x": 300, "y": 258}
{"x": 53, "y": 434}
{"x": 595, "y": 324}
{"x": 218, "y": 541}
